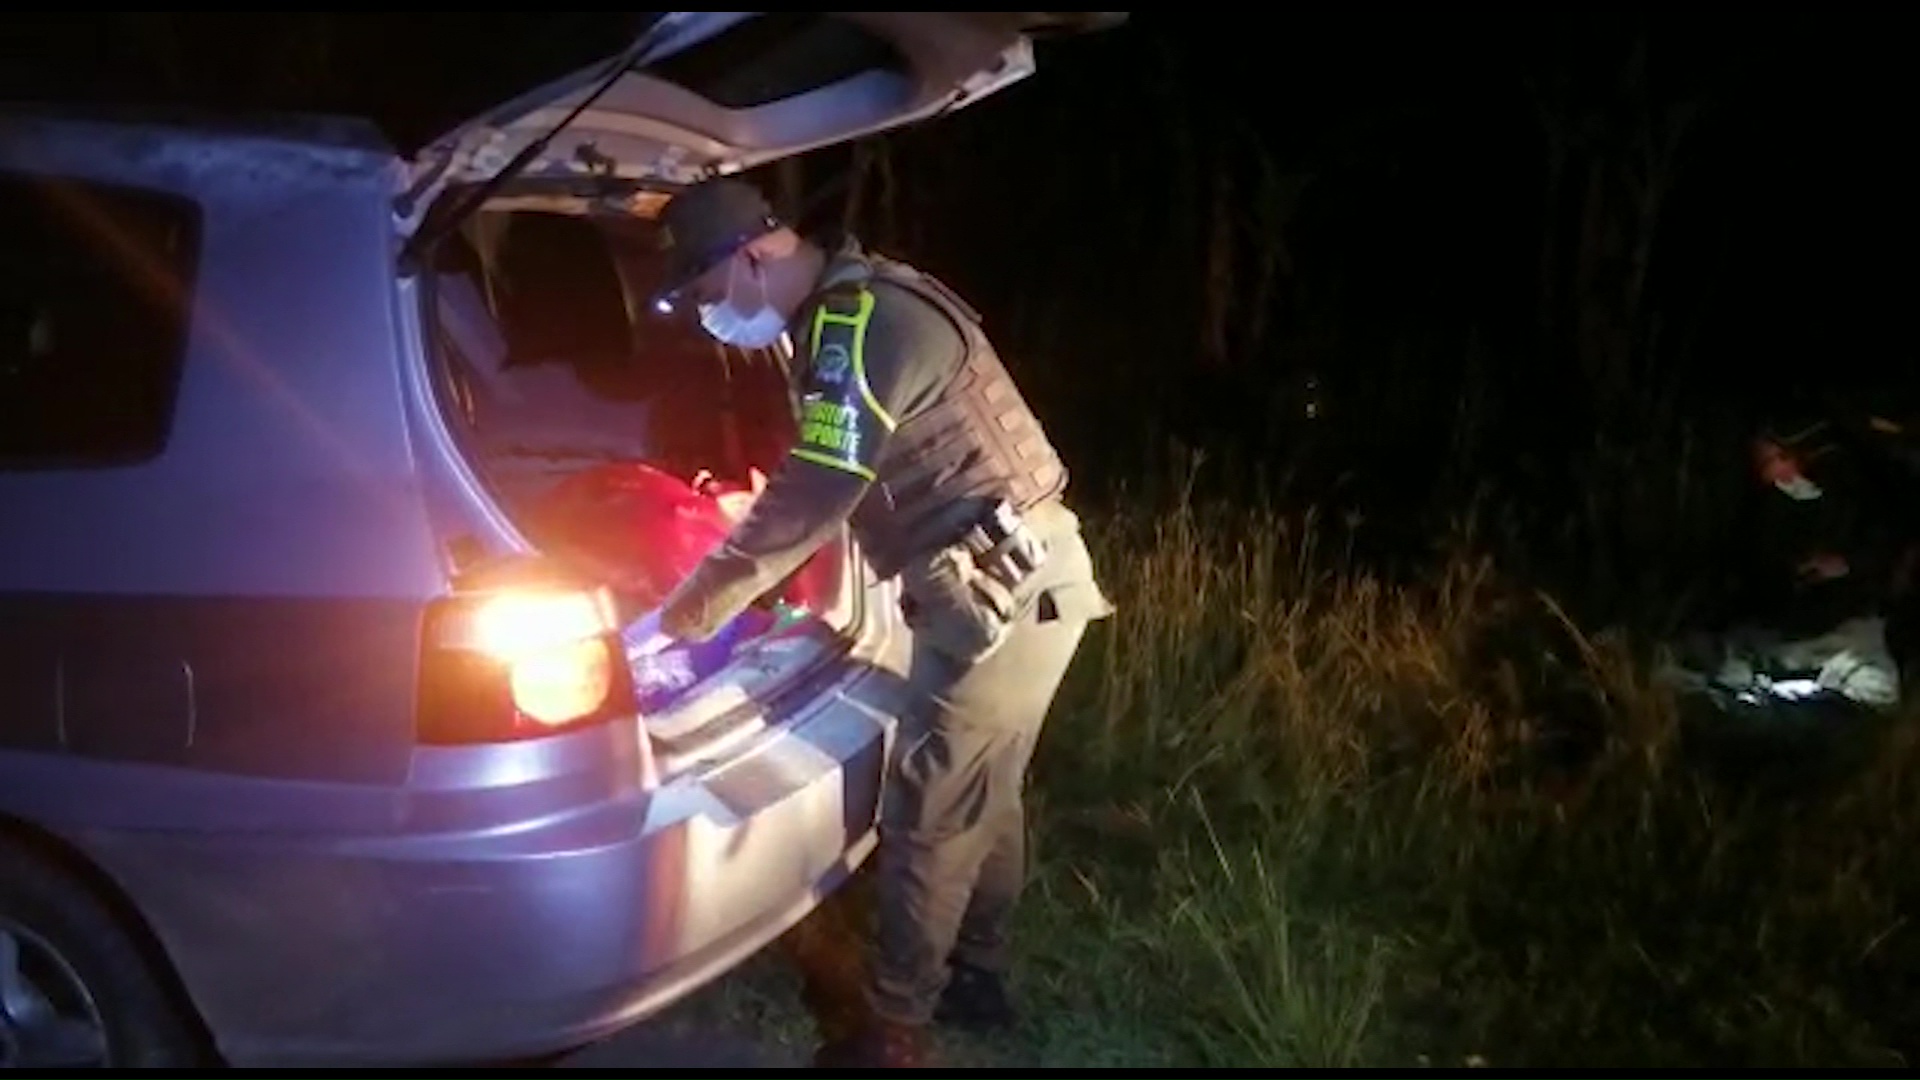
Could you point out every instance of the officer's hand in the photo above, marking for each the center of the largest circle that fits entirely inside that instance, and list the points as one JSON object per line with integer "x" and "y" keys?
{"x": 682, "y": 622}
{"x": 690, "y": 615}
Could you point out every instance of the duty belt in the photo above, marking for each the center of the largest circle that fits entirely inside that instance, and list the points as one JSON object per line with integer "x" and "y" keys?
{"x": 1004, "y": 546}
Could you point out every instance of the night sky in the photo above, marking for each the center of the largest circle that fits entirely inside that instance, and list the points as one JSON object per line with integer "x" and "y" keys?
{"x": 1189, "y": 230}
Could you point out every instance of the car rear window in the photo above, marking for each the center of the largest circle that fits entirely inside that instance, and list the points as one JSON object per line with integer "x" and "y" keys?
{"x": 777, "y": 55}
{"x": 95, "y": 286}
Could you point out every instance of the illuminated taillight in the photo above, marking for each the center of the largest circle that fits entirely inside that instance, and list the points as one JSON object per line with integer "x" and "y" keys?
{"x": 520, "y": 662}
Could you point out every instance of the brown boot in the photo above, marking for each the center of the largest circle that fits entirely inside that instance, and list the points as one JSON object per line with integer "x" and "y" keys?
{"x": 827, "y": 949}
{"x": 882, "y": 1044}
{"x": 838, "y": 1006}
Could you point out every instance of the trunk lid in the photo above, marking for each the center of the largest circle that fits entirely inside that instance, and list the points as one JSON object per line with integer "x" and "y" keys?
{"x": 705, "y": 92}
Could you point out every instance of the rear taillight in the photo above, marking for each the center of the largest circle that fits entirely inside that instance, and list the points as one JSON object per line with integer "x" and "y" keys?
{"x": 521, "y": 661}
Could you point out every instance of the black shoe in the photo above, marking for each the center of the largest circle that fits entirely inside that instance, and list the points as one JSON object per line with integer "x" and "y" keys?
{"x": 975, "y": 999}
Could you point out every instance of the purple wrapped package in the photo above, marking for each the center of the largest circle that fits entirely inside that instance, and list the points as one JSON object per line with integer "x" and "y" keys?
{"x": 663, "y": 669}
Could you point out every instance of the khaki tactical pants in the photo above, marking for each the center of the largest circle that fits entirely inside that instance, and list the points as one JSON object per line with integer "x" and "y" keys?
{"x": 953, "y": 859}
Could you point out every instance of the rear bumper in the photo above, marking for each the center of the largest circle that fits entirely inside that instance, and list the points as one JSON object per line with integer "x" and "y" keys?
{"x": 461, "y": 944}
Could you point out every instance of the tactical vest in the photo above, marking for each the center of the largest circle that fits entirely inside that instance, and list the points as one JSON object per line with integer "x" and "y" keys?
{"x": 976, "y": 443}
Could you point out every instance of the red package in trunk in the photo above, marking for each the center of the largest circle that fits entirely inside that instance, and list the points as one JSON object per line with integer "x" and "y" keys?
{"x": 648, "y": 529}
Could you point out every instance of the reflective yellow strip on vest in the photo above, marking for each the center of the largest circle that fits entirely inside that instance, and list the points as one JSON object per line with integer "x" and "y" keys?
{"x": 858, "y": 322}
{"x": 831, "y": 462}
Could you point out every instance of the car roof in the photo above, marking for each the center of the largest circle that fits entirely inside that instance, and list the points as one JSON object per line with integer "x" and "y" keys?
{"x": 337, "y": 132}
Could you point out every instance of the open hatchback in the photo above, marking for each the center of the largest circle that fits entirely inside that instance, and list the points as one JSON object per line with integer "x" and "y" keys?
{"x": 620, "y": 442}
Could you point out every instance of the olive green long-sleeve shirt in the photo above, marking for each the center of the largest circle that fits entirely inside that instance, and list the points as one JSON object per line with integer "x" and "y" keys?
{"x": 906, "y": 353}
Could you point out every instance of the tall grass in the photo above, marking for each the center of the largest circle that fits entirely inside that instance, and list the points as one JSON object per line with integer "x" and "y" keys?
{"x": 1295, "y": 815}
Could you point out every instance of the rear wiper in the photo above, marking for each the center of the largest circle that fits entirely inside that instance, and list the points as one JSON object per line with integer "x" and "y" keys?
{"x": 619, "y": 67}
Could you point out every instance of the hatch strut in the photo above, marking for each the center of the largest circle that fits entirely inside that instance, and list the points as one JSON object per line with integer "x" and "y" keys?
{"x": 619, "y": 67}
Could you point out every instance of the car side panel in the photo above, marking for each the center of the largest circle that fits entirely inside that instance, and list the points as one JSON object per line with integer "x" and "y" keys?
{"x": 233, "y": 685}
{"x": 196, "y": 608}
{"x": 504, "y": 901}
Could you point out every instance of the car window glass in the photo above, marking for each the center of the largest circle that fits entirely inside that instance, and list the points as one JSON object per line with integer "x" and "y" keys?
{"x": 777, "y": 55}
{"x": 94, "y": 287}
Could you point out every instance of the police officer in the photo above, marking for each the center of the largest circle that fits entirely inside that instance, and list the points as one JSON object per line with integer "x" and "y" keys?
{"x": 911, "y": 430}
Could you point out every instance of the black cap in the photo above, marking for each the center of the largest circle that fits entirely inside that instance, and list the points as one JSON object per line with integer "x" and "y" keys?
{"x": 705, "y": 223}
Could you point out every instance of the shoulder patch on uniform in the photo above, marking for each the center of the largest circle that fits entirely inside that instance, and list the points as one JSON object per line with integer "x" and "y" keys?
{"x": 841, "y": 423}
{"x": 833, "y": 363}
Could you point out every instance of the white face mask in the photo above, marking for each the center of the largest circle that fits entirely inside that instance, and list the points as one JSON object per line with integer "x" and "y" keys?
{"x": 737, "y": 324}
{"x": 1799, "y": 489}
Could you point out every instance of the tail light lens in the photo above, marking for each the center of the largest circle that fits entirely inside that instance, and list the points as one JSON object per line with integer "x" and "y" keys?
{"x": 521, "y": 661}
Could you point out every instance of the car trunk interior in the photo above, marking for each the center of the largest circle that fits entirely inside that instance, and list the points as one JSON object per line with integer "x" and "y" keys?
{"x": 626, "y": 442}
